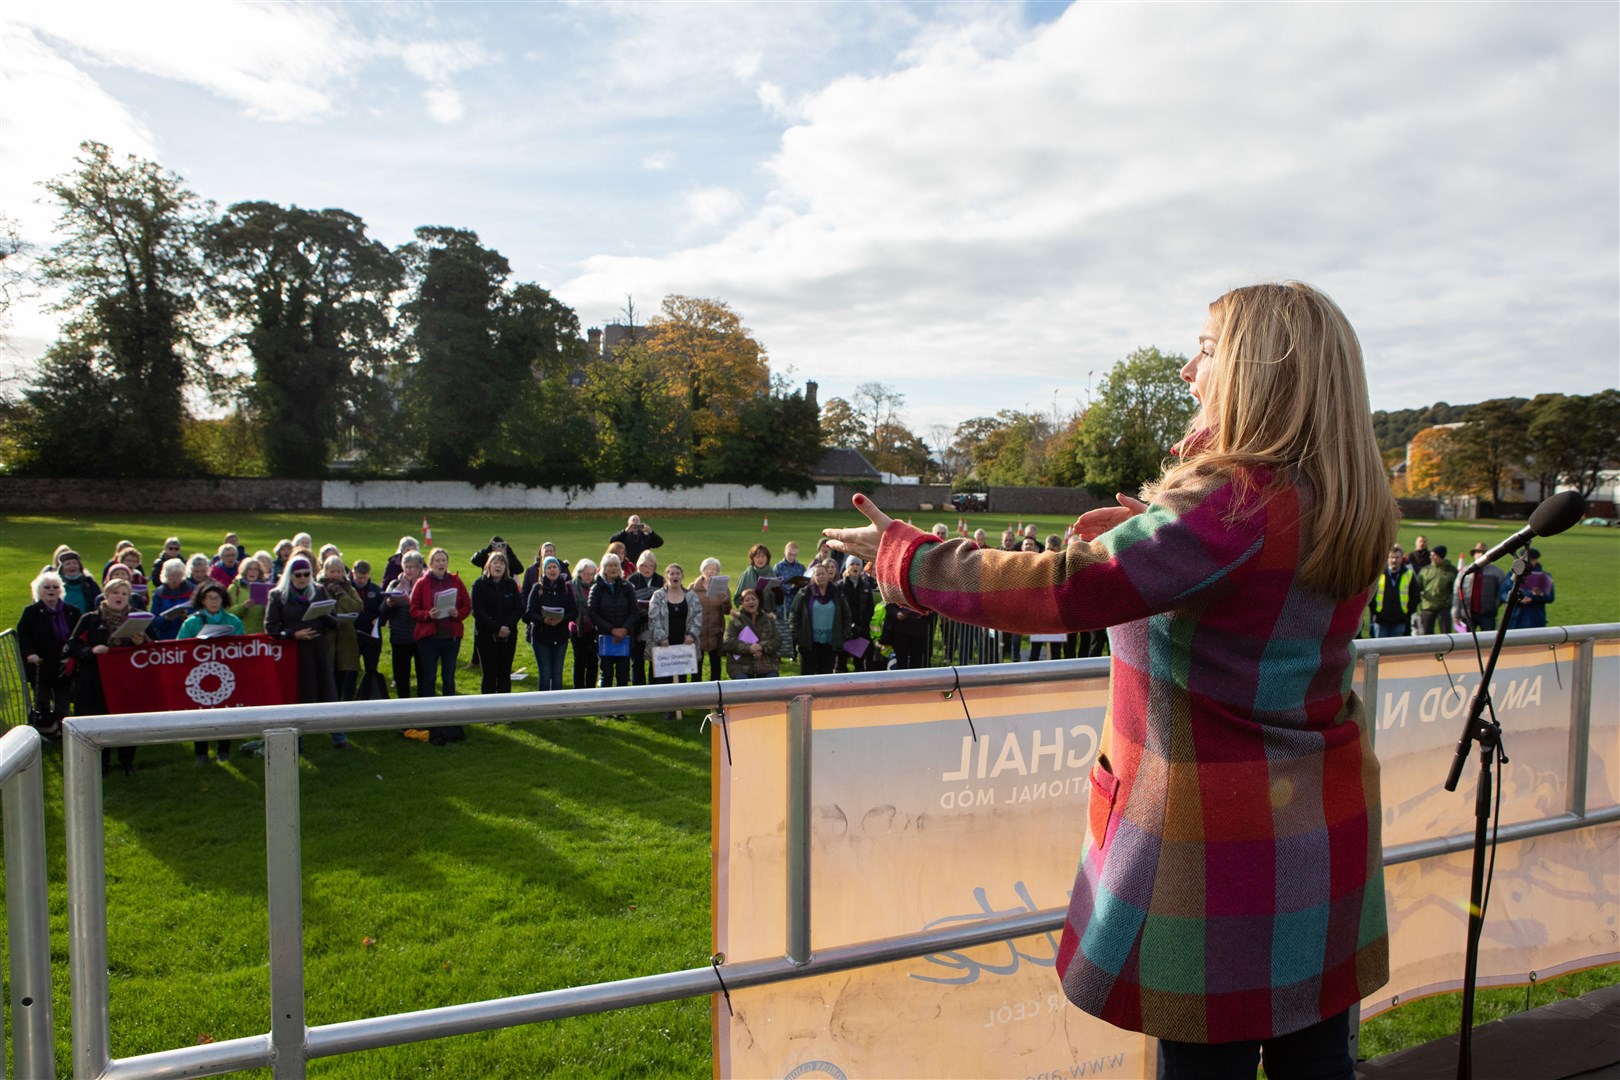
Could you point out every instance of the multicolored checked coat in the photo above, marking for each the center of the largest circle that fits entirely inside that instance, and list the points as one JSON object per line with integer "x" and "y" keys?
{"x": 1231, "y": 885}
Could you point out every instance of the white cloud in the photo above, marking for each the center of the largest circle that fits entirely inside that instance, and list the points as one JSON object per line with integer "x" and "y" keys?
{"x": 711, "y": 206}
{"x": 1033, "y": 205}
{"x": 279, "y": 62}
{"x": 658, "y": 162}
{"x": 437, "y": 63}
{"x": 775, "y": 102}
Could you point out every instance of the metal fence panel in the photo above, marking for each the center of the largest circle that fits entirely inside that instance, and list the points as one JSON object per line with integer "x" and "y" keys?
{"x": 289, "y": 1043}
{"x": 28, "y": 927}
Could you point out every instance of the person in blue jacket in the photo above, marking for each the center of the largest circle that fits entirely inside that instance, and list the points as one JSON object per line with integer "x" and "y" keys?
{"x": 1538, "y": 593}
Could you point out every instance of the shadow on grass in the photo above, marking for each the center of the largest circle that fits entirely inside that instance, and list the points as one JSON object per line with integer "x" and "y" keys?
{"x": 523, "y": 802}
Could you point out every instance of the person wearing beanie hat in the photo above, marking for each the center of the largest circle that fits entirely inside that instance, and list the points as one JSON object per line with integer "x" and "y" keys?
{"x": 551, "y": 606}
{"x": 1435, "y": 583}
{"x": 78, "y": 587}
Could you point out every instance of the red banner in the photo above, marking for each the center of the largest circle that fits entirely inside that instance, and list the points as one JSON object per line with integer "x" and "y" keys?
{"x": 200, "y": 673}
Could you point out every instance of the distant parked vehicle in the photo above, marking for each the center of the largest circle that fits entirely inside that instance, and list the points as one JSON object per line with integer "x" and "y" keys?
{"x": 971, "y": 503}
{"x": 1601, "y": 522}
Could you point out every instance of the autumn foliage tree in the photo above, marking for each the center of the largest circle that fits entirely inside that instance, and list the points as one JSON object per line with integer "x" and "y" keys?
{"x": 712, "y": 366}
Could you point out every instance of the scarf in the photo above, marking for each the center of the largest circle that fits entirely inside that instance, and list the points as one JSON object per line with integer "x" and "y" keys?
{"x": 58, "y": 617}
{"x": 821, "y": 597}
{"x": 111, "y": 619}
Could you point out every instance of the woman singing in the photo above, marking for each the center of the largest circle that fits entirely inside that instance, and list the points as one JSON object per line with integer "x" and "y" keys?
{"x": 1230, "y": 899}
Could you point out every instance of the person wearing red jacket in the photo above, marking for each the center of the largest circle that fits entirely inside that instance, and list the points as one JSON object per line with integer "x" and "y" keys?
{"x": 438, "y": 636}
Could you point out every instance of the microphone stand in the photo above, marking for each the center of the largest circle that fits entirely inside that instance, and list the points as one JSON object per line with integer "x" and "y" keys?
{"x": 1488, "y": 733}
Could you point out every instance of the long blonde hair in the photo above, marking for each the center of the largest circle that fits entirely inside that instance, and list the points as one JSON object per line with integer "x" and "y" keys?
{"x": 1287, "y": 391}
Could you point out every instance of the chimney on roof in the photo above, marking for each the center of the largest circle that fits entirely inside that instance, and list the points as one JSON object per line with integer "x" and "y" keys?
{"x": 810, "y": 391}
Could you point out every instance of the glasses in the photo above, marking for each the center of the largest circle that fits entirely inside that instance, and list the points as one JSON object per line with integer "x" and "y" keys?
{"x": 300, "y": 573}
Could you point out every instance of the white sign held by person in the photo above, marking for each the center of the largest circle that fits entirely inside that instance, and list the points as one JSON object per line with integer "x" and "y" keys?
{"x": 674, "y": 660}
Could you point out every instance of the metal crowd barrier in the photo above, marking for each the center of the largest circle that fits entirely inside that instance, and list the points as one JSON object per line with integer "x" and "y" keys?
{"x": 290, "y": 1043}
{"x": 16, "y": 693}
{"x": 27, "y": 911}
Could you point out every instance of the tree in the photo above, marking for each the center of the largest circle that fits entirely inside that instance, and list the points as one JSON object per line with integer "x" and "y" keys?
{"x": 1578, "y": 437}
{"x": 14, "y": 275}
{"x": 841, "y": 427}
{"x": 1425, "y": 459}
{"x": 776, "y": 445}
{"x": 641, "y": 425}
{"x": 877, "y": 407}
{"x": 461, "y": 387}
{"x": 130, "y": 267}
{"x": 1013, "y": 453}
{"x": 942, "y": 450}
{"x": 546, "y": 439}
{"x": 713, "y": 365}
{"x": 1490, "y": 442}
{"x": 313, "y": 293}
{"x": 1139, "y": 413}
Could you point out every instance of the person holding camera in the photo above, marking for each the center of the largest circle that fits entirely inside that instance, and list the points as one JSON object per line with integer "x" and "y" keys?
{"x": 636, "y": 537}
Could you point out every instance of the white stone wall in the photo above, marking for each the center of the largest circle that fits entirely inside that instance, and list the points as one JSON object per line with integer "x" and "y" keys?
{"x": 456, "y": 495}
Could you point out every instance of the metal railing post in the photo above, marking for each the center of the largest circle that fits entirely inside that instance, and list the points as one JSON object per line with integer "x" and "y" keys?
{"x": 1580, "y": 726}
{"x": 1369, "y": 688}
{"x": 798, "y": 830}
{"x": 28, "y": 924}
{"x": 87, "y": 904}
{"x": 284, "y": 873}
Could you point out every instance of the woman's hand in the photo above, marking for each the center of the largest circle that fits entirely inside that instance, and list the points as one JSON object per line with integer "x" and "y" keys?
{"x": 100, "y": 650}
{"x": 619, "y": 633}
{"x": 503, "y": 633}
{"x": 664, "y": 643}
{"x": 1093, "y": 523}
{"x": 306, "y": 633}
{"x": 33, "y": 658}
{"x": 756, "y": 648}
{"x": 862, "y": 542}
{"x": 690, "y": 640}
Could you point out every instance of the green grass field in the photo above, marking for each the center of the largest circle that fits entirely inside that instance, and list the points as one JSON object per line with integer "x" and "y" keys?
{"x": 533, "y": 856}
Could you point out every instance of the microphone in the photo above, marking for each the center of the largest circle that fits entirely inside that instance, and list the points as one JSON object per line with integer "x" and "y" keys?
{"x": 1552, "y": 517}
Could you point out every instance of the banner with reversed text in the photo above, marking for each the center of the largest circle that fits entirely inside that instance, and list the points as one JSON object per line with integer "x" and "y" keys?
{"x": 200, "y": 673}
{"x": 916, "y": 825}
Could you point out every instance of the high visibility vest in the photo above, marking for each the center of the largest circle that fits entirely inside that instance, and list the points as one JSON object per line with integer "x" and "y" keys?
{"x": 1405, "y": 587}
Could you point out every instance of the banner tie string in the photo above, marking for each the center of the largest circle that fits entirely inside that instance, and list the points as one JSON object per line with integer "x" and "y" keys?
{"x": 714, "y": 962}
{"x": 956, "y": 692}
{"x": 719, "y": 715}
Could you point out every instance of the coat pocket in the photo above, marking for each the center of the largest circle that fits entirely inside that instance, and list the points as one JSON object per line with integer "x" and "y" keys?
{"x": 1100, "y": 807}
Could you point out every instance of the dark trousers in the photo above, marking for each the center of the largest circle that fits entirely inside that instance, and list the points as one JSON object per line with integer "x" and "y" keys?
{"x": 1434, "y": 622}
{"x": 638, "y": 662}
{"x": 818, "y": 658}
{"x": 910, "y": 652}
{"x": 370, "y": 655}
{"x": 53, "y": 695}
{"x": 404, "y": 653}
{"x": 585, "y": 661}
{"x": 436, "y": 657}
{"x": 347, "y": 683}
{"x": 1009, "y": 647}
{"x": 1319, "y": 1052}
{"x": 714, "y": 665}
{"x": 495, "y": 659}
{"x": 615, "y": 671}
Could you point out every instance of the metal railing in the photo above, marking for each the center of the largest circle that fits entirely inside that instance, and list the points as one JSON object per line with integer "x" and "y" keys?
{"x": 16, "y": 692}
{"x": 28, "y": 927}
{"x": 290, "y": 1043}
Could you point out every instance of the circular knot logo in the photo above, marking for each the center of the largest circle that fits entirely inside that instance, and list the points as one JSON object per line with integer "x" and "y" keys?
{"x": 223, "y": 686}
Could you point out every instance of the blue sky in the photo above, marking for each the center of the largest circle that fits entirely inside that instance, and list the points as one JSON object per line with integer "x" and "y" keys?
{"x": 984, "y": 206}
